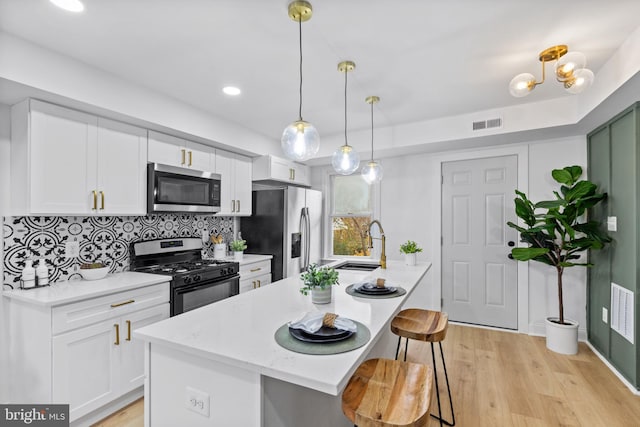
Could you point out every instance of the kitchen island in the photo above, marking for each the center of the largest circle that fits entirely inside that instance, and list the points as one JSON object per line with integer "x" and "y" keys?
{"x": 220, "y": 364}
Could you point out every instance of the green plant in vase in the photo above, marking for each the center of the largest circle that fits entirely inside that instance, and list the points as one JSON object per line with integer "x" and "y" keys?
{"x": 410, "y": 249}
{"x": 318, "y": 281}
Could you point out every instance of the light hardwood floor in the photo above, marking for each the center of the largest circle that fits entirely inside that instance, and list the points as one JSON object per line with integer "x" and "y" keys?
{"x": 508, "y": 379}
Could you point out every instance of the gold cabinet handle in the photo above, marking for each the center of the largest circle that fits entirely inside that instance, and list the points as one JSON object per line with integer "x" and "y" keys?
{"x": 258, "y": 283}
{"x": 253, "y": 270}
{"x": 290, "y": 173}
{"x": 184, "y": 153}
{"x": 294, "y": 174}
{"x": 254, "y": 284}
{"x": 119, "y": 304}
{"x": 95, "y": 200}
{"x": 128, "y": 330}
{"x": 117, "y": 334}
{"x": 190, "y": 157}
{"x": 102, "y": 200}
{"x": 238, "y": 209}
{"x": 233, "y": 206}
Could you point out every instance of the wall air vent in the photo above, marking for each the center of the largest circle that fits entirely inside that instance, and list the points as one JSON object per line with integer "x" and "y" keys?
{"x": 487, "y": 124}
{"x": 622, "y": 311}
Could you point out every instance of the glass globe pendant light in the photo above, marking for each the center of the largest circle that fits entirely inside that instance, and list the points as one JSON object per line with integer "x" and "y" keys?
{"x": 300, "y": 140}
{"x": 345, "y": 159}
{"x": 372, "y": 171}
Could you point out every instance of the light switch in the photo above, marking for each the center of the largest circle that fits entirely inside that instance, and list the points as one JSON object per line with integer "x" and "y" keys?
{"x": 612, "y": 223}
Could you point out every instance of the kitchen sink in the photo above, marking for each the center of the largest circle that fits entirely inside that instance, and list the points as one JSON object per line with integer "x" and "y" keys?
{"x": 357, "y": 266}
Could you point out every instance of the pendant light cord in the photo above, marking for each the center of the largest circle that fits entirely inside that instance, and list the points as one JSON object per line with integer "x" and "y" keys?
{"x": 372, "y": 131}
{"x": 346, "y": 71}
{"x": 300, "y": 44}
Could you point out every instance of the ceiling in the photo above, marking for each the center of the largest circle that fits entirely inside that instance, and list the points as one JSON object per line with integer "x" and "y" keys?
{"x": 425, "y": 59}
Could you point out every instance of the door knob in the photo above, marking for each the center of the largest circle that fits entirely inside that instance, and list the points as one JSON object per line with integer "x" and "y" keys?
{"x": 510, "y": 256}
{"x": 511, "y": 243}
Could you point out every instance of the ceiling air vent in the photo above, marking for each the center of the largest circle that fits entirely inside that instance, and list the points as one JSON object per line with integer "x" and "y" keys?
{"x": 487, "y": 124}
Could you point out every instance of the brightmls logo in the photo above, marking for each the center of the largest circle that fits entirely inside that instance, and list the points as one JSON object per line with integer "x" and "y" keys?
{"x": 34, "y": 415}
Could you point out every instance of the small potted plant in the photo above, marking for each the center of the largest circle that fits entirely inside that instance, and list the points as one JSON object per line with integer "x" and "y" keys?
{"x": 410, "y": 249}
{"x": 238, "y": 247}
{"x": 320, "y": 282}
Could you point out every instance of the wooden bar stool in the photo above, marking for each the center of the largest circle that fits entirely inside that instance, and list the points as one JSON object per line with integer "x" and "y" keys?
{"x": 430, "y": 326}
{"x": 386, "y": 393}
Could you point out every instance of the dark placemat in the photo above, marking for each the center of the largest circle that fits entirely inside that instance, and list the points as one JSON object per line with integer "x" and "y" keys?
{"x": 401, "y": 291}
{"x": 357, "y": 340}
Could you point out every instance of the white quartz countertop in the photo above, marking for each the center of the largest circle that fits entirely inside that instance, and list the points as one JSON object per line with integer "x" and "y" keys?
{"x": 250, "y": 258}
{"x": 240, "y": 330}
{"x": 76, "y": 290}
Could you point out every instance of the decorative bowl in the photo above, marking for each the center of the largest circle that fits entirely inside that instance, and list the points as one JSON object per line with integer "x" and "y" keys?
{"x": 94, "y": 273}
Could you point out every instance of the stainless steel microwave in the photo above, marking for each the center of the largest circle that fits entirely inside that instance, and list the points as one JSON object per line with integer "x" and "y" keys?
{"x": 175, "y": 189}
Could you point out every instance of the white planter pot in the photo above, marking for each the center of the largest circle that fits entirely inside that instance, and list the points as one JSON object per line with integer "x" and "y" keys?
{"x": 219, "y": 251}
{"x": 321, "y": 296}
{"x": 237, "y": 256}
{"x": 562, "y": 339}
{"x": 410, "y": 259}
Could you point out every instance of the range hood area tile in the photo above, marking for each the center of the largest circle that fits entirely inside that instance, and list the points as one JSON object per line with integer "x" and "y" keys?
{"x": 103, "y": 239}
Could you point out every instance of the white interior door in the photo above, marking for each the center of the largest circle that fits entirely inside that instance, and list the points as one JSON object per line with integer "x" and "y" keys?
{"x": 479, "y": 282}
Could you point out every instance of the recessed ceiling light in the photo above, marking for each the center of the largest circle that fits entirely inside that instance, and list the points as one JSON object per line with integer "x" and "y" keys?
{"x": 231, "y": 90}
{"x": 70, "y": 5}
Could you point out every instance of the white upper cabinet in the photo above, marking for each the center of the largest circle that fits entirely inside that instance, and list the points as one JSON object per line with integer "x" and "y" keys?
{"x": 122, "y": 160}
{"x": 271, "y": 168}
{"x": 235, "y": 194}
{"x": 67, "y": 162}
{"x": 173, "y": 151}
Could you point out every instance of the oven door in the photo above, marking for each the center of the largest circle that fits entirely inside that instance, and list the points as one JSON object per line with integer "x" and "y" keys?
{"x": 186, "y": 298}
{"x": 174, "y": 189}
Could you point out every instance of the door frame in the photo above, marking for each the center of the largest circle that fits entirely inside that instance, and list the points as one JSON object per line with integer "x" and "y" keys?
{"x": 521, "y": 151}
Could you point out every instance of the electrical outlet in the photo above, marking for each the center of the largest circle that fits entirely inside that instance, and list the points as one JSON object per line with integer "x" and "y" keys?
{"x": 605, "y": 315}
{"x": 197, "y": 401}
{"x": 72, "y": 249}
{"x": 205, "y": 236}
{"x": 612, "y": 223}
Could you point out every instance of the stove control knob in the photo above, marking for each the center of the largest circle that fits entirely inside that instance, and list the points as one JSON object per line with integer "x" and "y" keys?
{"x": 196, "y": 278}
{"x": 224, "y": 271}
{"x": 187, "y": 280}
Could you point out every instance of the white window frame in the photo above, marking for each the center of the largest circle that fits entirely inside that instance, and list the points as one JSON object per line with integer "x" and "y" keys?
{"x": 328, "y": 226}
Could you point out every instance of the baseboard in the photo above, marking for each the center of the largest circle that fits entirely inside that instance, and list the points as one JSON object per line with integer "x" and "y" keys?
{"x": 108, "y": 409}
{"x": 539, "y": 329}
{"x": 614, "y": 370}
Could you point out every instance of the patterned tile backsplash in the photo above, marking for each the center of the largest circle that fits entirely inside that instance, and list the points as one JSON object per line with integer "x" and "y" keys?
{"x": 105, "y": 239}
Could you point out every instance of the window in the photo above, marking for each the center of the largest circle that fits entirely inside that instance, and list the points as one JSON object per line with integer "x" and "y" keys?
{"x": 352, "y": 209}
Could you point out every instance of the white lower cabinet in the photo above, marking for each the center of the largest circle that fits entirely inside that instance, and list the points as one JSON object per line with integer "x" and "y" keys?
{"x": 82, "y": 353}
{"x": 96, "y": 364}
{"x": 254, "y": 275}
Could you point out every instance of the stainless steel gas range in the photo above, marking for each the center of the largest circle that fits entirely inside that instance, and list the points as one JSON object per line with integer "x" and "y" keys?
{"x": 195, "y": 282}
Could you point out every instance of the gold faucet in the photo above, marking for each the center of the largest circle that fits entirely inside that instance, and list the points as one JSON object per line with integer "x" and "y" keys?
{"x": 383, "y": 256}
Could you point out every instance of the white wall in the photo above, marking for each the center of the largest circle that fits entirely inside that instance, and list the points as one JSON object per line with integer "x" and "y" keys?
{"x": 5, "y": 138}
{"x": 410, "y": 205}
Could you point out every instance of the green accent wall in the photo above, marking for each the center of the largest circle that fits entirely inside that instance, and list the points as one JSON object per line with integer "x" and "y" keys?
{"x": 614, "y": 165}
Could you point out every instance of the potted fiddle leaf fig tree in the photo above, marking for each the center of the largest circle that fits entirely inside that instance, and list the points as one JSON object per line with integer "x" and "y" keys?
{"x": 557, "y": 232}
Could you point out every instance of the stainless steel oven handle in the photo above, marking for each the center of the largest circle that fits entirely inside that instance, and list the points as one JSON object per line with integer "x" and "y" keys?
{"x": 190, "y": 288}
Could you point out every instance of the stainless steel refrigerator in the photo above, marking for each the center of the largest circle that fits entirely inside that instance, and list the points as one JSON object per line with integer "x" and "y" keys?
{"x": 286, "y": 223}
